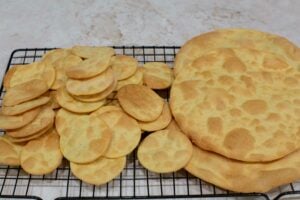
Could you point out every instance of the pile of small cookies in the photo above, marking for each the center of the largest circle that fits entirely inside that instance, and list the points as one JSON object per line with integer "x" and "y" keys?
{"x": 89, "y": 106}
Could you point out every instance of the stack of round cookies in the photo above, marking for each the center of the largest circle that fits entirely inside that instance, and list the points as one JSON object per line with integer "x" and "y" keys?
{"x": 84, "y": 104}
{"x": 236, "y": 95}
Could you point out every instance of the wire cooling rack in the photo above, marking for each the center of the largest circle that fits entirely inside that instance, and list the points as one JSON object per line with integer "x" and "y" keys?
{"x": 135, "y": 181}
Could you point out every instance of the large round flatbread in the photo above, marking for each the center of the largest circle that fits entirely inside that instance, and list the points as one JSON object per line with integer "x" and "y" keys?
{"x": 60, "y": 66}
{"x": 242, "y": 176}
{"x": 43, "y": 120}
{"x": 157, "y": 75}
{"x": 26, "y": 106}
{"x": 92, "y": 85}
{"x": 140, "y": 102}
{"x": 241, "y": 103}
{"x": 22, "y": 73}
{"x": 165, "y": 151}
{"x": 100, "y": 171}
{"x": 42, "y": 156}
{"x": 24, "y": 92}
{"x": 160, "y": 123}
{"x": 235, "y": 38}
{"x": 18, "y": 121}
{"x": 89, "y": 52}
{"x": 124, "y": 66}
{"x": 84, "y": 138}
{"x": 126, "y": 133}
{"x": 66, "y": 101}
{"x": 88, "y": 68}
{"x": 9, "y": 152}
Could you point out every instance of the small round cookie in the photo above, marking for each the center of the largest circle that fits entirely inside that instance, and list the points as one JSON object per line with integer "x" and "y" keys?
{"x": 24, "y": 107}
{"x": 100, "y": 171}
{"x": 140, "y": 102}
{"x": 137, "y": 78}
{"x": 124, "y": 66}
{"x": 22, "y": 73}
{"x": 99, "y": 96}
{"x": 25, "y": 92}
{"x": 66, "y": 101}
{"x": 126, "y": 133}
{"x": 88, "y": 68}
{"x": 104, "y": 109}
{"x": 42, "y": 156}
{"x": 165, "y": 151}
{"x": 44, "y": 119}
{"x": 84, "y": 138}
{"x": 9, "y": 152}
{"x": 89, "y": 52}
{"x": 157, "y": 75}
{"x": 160, "y": 123}
{"x": 91, "y": 86}
{"x": 60, "y": 66}
{"x": 55, "y": 54}
{"x": 30, "y": 137}
{"x": 18, "y": 121}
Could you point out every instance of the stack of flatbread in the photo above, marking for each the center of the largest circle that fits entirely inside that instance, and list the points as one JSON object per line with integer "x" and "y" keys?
{"x": 236, "y": 95}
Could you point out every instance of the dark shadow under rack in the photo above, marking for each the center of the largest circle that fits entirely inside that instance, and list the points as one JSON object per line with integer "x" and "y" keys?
{"x": 135, "y": 181}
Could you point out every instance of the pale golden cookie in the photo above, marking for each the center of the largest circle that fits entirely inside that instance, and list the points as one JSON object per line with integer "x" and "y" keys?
{"x": 100, "y": 171}
{"x": 17, "y": 121}
{"x": 43, "y": 120}
{"x": 140, "y": 102}
{"x": 24, "y": 92}
{"x": 242, "y": 176}
{"x": 91, "y": 86}
{"x": 124, "y": 66}
{"x": 23, "y": 73}
{"x": 60, "y": 66}
{"x": 24, "y": 107}
{"x": 104, "y": 109}
{"x": 235, "y": 38}
{"x": 54, "y": 55}
{"x": 88, "y": 68}
{"x": 160, "y": 123}
{"x": 240, "y": 103}
{"x": 99, "y": 96}
{"x": 66, "y": 101}
{"x": 136, "y": 78}
{"x": 41, "y": 156}
{"x": 89, "y": 52}
{"x": 126, "y": 133}
{"x": 9, "y": 152}
{"x": 84, "y": 138}
{"x": 157, "y": 75}
{"x": 30, "y": 137}
{"x": 165, "y": 151}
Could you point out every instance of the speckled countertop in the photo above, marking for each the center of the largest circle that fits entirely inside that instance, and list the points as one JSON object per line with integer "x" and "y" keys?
{"x": 63, "y": 23}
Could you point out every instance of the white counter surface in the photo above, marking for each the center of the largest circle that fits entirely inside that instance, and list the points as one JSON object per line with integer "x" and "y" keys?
{"x": 62, "y": 23}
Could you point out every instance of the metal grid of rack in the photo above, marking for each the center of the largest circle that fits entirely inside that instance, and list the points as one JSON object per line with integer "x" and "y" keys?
{"x": 134, "y": 181}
